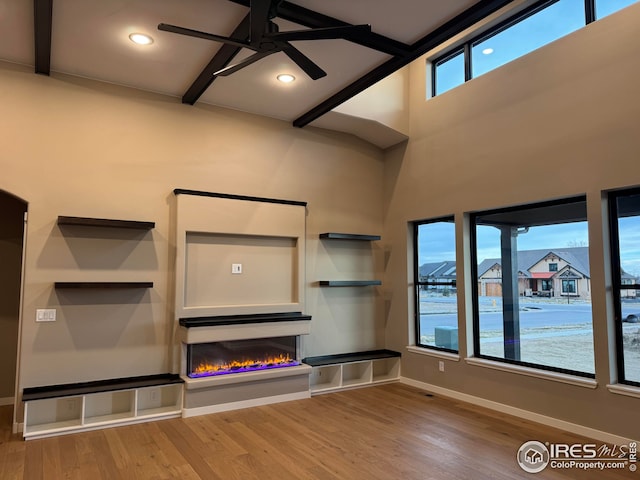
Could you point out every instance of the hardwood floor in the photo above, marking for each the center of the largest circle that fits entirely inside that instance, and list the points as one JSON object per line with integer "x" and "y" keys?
{"x": 385, "y": 432}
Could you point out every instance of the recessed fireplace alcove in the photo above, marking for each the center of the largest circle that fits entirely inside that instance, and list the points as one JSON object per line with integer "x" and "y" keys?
{"x": 240, "y": 290}
{"x": 235, "y": 361}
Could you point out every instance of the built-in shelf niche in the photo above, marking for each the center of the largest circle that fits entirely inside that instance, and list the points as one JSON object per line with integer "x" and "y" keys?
{"x": 264, "y": 238}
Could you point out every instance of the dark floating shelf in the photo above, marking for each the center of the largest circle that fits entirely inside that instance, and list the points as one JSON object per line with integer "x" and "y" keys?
{"x": 71, "y": 389}
{"x": 349, "y": 236}
{"x": 348, "y": 283}
{"x": 107, "y": 285}
{"x": 105, "y": 222}
{"x": 350, "y": 357}
{"x": 243, "y": 319}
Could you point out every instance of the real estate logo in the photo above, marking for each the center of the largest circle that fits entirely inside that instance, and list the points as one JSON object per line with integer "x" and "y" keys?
{"x": 534, "y": 456}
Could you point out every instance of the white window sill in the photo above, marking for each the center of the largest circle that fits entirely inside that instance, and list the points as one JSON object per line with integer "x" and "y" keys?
{"x": 534, "y": 372}
{"x": 433, "y": 353}
{"x": 628, "y": 390}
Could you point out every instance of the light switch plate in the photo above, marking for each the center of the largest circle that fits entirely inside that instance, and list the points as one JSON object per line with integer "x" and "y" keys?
{"x": 236, "y": 268}
{"x": 45, "y": 315}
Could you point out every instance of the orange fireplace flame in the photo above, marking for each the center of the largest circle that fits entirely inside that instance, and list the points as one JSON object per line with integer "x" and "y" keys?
{"x": 205, "y": 368}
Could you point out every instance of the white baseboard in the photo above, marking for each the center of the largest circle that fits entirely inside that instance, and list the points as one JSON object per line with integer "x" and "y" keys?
{"x": 7, "y": 401}
{"x": 518, "y": 412}
{"x": 254, "y": 402}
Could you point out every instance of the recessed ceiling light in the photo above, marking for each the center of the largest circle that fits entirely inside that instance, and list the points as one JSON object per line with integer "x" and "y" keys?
{"x": 141, "y": 39}
{"x": 286, "y": 78}
{"x": 487, "y": 51}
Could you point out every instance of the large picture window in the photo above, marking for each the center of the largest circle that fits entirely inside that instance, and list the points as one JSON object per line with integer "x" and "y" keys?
{"x": 525, "y": 312}
{"x": 625, "y": 256}
{"x": 435, "y": 280}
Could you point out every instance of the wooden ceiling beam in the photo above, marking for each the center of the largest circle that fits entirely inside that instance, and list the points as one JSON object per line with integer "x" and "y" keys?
{"x": 311, "y": 19}
{"x": 220, "y": 60}
{"x": 42, "y": 26}
{"x": 441, "y": 34}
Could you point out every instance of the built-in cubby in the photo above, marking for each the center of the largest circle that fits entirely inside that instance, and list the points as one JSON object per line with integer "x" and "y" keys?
{"x": 349, "y": 370}
{"x": 58, "y": 409}
{"x": 109, "y": 407}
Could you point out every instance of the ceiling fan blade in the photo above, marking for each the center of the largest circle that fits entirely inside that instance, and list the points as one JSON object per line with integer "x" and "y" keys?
{"x": 259, "y": 19}
{"x": 327, "y": 33}
{"x": 244, "y": 63}
{"x": 207, "y": 36}
{"x": 304, "y": 62}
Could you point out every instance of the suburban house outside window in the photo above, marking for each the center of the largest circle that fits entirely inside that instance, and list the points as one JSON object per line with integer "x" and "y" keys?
{"x": 525, "y": 31}
{"x": 525, "y": 311}
{"x": 436, "y": 307}
{"x": 624, "y": 217}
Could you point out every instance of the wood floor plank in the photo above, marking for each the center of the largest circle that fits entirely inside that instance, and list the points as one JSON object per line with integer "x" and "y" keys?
{"x": 379, "y": 433}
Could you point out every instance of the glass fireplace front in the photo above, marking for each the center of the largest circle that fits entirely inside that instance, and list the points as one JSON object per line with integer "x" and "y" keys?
{"x": 237, "y": 356}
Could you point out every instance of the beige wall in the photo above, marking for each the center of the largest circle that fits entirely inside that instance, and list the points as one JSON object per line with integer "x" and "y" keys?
{"x": 560, "y": 121}
{"x": 80, "y": 148}
{"x": 386, "y": 102}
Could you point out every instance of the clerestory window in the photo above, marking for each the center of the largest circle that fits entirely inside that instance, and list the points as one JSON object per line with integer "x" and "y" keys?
{"x": 540, "y": 24}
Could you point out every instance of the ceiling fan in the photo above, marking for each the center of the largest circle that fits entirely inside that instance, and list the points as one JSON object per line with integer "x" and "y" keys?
{"x": 265, "y": 38}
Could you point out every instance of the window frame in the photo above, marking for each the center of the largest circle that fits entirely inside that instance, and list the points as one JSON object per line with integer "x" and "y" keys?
{"x": 417, "y": 283}
{"x": 617, "y": 284}
{"x": 475, "y": 294}
{"x": 466, "y": 46}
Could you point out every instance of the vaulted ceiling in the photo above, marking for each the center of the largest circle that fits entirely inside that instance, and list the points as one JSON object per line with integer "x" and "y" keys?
{"x": 90, "y": 38}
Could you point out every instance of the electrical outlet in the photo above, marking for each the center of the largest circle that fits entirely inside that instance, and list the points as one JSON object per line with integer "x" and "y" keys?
{"x": 236, "y": 268}
{"x": 153, "y": 394}
{"x": 441, "y": 366}
{"x": 45, "y": 315}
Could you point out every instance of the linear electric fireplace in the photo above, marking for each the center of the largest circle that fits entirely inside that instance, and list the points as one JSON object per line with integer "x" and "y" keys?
{"x": 235, "y": 361}
{"x": 239, "y": 356}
